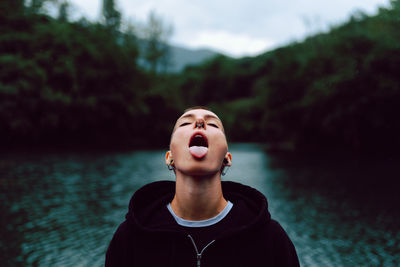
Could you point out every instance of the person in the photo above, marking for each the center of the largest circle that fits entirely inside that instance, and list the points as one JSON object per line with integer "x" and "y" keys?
{"x": 199, "y": 220}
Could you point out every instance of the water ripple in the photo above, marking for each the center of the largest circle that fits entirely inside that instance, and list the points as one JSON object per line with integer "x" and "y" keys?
{"x": 61, "y": 209}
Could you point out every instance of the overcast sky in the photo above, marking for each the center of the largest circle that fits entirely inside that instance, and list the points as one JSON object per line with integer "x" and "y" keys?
{"x": 237, "y": 27}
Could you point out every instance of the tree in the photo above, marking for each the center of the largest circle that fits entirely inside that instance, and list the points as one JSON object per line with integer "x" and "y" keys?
{"x": 63, "y": 11}
{"x": 155, "y": 49}
{"x": 111, "y": 16}
{"x": 11, "y": 7}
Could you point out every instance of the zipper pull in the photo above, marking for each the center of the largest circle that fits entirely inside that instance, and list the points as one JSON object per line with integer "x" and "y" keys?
{"x": 198, "y": 260}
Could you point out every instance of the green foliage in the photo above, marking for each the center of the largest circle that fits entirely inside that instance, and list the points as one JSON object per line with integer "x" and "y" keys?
{"x": 336, "y": 90}
{"x": 348, "y": 93}
{"x": 241, "y": 118}
{"x": 63, "y": 11}
{"x": 217, "y": 80}
{"x": 79, "y": 83}
{"x": 11, "y": 8}
{"x": 112, "y": 17}
{"x": 82, "y": 82}
{"x": 154, "y": 48}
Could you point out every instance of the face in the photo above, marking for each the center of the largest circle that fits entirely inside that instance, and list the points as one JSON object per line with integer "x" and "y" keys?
{"x": 198, "y": 144}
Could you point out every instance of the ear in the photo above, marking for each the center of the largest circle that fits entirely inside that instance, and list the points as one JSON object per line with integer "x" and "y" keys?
{"x": 168, "y": 158}
{"x": 228, "y": 159}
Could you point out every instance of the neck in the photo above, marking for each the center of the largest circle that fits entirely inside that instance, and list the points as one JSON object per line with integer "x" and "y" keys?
{"x": 198, "y": 198}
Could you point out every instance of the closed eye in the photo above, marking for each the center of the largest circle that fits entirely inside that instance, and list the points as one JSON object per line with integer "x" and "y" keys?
{"x": 213, "y": 125}
{"x": 184, "y": 124}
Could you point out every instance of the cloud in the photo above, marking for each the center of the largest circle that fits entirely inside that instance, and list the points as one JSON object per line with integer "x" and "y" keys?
{"x": 237, "y": 44}
{"x": 239, "y": 27}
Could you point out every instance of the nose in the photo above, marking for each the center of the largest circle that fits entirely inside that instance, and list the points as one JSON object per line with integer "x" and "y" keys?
{"x": 200, "y": 124}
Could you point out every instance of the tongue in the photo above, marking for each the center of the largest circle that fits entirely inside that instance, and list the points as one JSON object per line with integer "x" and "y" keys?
{"x": 198, "y": 151}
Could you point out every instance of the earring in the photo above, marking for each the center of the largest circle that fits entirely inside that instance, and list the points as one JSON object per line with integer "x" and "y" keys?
{"x": 224, "y": 170}
{"x": 170, "y": 166}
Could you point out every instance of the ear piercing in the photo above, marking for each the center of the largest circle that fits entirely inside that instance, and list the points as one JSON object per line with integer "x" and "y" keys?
{"x": 170, "y": 166}
{"x": 224, "y": 170}
{"x": 225, "y": 167}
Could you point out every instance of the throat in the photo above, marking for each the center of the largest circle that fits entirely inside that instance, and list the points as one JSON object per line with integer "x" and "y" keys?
{"x": 197, "y": 212}
{"x": 198, "y": 202}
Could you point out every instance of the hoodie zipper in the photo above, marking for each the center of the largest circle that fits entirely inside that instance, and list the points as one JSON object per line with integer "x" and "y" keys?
{"x": 199, "y": 255}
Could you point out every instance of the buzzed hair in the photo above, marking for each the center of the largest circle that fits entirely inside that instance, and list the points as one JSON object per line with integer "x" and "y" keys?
{"x": 197, "y": 107}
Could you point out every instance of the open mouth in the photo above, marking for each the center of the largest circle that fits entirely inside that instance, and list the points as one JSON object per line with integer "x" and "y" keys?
{"x": 198, "y": 145}
{"x": 198, "y": 139}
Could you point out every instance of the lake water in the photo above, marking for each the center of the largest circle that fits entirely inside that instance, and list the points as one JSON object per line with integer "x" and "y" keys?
{"x": 61, "y": 209}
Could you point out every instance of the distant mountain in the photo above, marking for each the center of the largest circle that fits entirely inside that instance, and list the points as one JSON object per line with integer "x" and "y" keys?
{"x": 181, "y": 57}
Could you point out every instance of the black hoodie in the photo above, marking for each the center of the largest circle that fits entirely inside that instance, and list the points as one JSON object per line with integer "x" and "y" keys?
{"x": 246, "y": 237}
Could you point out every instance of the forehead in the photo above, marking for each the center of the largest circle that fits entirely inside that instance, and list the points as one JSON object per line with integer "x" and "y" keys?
{"x": 199, "y": 113}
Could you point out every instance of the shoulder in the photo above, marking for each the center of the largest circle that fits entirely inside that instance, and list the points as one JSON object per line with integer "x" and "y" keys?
{"x": 276, "y": 228}
{"x": 284, "y": 250}
{"x": 272, "y": 232}
{"x": 119, "y": 236}
{"x": 267, "y": 244}
{"x": 122, "y": 229}
{"x": 117, "y": 247}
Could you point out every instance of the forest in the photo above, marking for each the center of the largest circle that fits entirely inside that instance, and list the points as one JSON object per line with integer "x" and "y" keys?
{"x": 67, "y": 83}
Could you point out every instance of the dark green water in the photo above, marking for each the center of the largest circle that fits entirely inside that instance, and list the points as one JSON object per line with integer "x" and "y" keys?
{"x": 61, "y": 209}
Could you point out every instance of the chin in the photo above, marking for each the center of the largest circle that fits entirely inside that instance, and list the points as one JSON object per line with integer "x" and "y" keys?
{"x": 200, "y": 172}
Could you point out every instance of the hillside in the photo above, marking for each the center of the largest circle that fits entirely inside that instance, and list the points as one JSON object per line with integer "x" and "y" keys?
{"x": 81, "y": 83}
{"x": 338, "y": 90}
{"x": 181, "y": 57}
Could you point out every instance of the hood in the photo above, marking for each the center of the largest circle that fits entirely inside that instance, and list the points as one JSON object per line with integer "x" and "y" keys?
{"x": 152, "y": 197}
